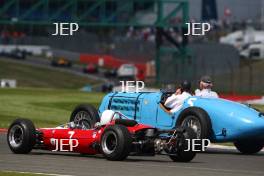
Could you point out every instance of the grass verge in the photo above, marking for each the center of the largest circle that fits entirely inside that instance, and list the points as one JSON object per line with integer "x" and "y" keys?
{"x": 32, "y": 76}
{"x": 45, "y": 107}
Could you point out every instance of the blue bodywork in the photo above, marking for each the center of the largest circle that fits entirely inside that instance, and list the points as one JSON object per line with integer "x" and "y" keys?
{"x": 230, "y": 120}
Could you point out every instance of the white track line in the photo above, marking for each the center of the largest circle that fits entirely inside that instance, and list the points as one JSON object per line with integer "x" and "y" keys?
{"x": 216, "y": 146}
{"x": 36, "y": 173}
{"x": 257, "y": 101}
{"x": 202, "y": 169}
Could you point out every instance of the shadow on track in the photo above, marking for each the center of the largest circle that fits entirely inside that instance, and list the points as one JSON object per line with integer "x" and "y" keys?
{"x": 230, "y": 152}
{"x": 99, "y": 156}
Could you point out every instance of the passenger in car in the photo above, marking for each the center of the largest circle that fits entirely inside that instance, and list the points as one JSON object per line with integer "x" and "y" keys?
{"x": 176, "y": 100}
{"x": 205, "y": 90}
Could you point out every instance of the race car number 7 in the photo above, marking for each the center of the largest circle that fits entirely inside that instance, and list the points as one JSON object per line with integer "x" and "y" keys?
{"x": 65, "y": 145}
{"x": 71, "y": 133}
{"x": 191, "y": 101}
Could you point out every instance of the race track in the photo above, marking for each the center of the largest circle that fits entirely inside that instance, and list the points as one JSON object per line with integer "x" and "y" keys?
{"x": 44, "y": 63}
{"x": 211, "y": 163}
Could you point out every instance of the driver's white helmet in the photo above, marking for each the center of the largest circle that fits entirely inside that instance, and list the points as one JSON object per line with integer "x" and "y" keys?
{"x": 107, "y": 116}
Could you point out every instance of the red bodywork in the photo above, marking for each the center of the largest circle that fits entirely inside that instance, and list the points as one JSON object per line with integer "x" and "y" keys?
{"x": 77, "y": 140}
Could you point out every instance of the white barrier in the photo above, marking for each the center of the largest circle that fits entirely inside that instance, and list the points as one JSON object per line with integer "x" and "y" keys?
{"x": 34, "y": 49}
{"x": 8, "y": 83}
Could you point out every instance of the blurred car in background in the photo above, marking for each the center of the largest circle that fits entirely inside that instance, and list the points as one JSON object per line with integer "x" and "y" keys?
{"x": 253, "y": 51}
{"x": 61, "y": 62}
{"x": 127, "y": 72}
{"x": 112, "y": 73}
{"x": 241, "y": 38}
{"x": 107, "y": 87}
{"x": 15, "y": 54}
{"x": 90, "y": 68}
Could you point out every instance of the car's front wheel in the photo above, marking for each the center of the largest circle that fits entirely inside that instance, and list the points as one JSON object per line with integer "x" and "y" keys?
{"x": 21, "y": 136}
{"x": 249, "y": 146}
{"x": 184, "y": 152}
{"x": 197, "y": 119}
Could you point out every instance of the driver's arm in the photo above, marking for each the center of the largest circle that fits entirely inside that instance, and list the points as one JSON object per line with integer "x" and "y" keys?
{"x": 170, "y": 102}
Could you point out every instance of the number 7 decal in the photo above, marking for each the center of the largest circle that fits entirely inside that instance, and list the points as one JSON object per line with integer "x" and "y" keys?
{"x": 71, "y": 133}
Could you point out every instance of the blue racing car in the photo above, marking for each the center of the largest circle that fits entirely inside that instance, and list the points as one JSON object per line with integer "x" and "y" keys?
{"x": 216, "y": 119}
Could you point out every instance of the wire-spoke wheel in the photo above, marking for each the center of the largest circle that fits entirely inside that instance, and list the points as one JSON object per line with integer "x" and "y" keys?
{"x": 83, "y": 119}
{"x": 85, "y": 116}
{"x": 194, "y": 123}
{"x": 197, "y": 119}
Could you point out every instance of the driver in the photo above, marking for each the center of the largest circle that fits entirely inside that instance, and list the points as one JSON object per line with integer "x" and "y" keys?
{"x": 106, "y": 117}
{"x": 176, "y": 100}
{"x": 205, "y": 90}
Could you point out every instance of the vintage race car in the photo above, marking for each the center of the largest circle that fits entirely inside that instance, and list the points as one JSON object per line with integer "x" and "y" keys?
{"x": 216, "y": 119}
{"x": 61, "y": 62}
{"x": 114, "y": 136}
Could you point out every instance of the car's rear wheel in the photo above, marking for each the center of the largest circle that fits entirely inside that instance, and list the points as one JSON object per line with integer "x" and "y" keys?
{"x": 182, "y": 155}
{"x": 85, "y": 115}
{"x": 116, "y": 142}
{"x": 197, "y": 119}
{"x": 21, "y": 136}
{"x": 249, "y": 146}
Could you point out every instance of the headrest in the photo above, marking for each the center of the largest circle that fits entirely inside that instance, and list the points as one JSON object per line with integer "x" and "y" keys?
{"x": 126, "y": 122}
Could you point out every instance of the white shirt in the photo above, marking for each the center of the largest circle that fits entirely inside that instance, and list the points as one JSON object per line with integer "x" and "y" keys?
{"x": 206, "y": 93}
{"x": 175, "y": 102}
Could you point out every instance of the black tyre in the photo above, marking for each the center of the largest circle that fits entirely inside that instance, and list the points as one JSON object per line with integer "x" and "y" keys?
{"x": 54, "y": 63}
{"x": 85, "y": 115}
{"x": 181, "y": 155}
{"x": 21, "y": 136}
{"x": 249, "y": 146}
{"x": 116, "y": 142}
{"x": 197, "y": 119}
{"x": 69, "y": 64}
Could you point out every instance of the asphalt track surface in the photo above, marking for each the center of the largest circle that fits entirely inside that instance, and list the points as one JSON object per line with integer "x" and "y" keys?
{"x": 44, "y": 63}
{"x": 215, "y": 162}
{"x": 220, "y": 162}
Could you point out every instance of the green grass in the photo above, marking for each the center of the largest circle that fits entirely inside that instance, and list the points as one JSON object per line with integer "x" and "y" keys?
{"x": 259, "y": 107}
{"x": 45, "y": 107}
{"x": 9, "y": 173}
{"x": 32, "y": 76}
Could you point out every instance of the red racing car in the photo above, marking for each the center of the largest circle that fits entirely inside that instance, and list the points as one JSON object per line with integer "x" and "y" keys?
{"x": 114, "y": 136}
